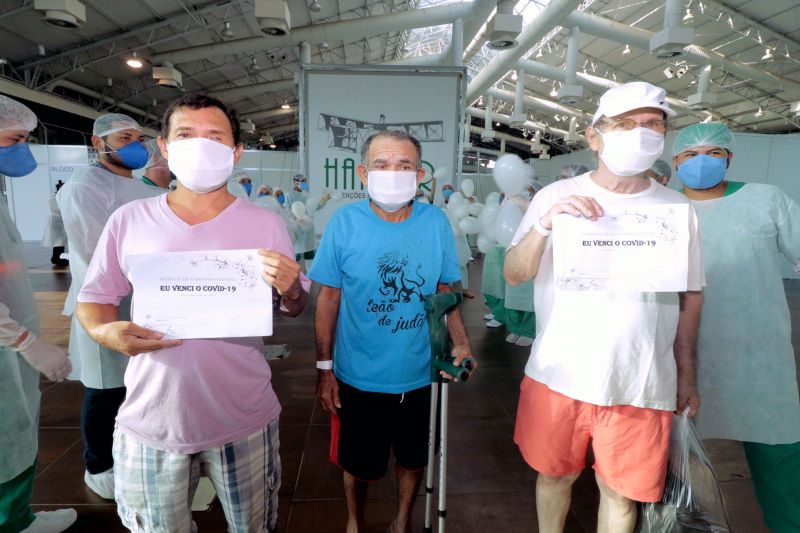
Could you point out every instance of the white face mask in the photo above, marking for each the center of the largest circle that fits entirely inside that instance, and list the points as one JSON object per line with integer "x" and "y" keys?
{"x": 627, "y": 153}
{"x": 391, "y": 190}
{"x": 200, "y": 164}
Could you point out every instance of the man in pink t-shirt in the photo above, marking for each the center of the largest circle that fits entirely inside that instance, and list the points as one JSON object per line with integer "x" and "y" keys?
{"x": 201, "y": 401}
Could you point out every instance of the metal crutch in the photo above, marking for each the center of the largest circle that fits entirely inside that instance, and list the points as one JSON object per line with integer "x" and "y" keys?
{"x": 436, "y": 308}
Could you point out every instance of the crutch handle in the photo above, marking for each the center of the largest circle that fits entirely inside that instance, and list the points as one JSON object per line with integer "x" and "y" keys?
{"x": 460, "y": 373}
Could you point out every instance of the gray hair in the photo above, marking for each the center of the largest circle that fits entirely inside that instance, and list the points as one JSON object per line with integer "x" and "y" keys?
{"x": 397, "y": 135}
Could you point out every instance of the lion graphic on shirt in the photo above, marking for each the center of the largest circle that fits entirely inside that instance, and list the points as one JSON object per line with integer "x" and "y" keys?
{"x": 399, "y": 286}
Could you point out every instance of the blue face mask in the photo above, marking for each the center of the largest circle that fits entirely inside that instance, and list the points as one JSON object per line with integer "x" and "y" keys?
{"x": 133, "y": 155}
{"x": 248, "y": 187}
{"x": 447, "y": 193}
{"x": 702, "y": 171}
{"x": 303, "y": 185}
{"x": 16, "y": 160}
{"x": 281, "y": 199}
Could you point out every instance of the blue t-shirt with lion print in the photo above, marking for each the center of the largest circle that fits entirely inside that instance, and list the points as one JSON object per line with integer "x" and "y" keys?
{"x": 384, "y": 269}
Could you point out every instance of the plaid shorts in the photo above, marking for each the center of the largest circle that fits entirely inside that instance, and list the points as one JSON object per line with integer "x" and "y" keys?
{"x": 154, "y": 489}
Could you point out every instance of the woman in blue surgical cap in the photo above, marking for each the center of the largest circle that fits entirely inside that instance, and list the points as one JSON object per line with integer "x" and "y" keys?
{"x": 746, "y": 376}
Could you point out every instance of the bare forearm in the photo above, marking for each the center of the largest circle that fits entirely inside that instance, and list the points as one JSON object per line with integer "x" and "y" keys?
{"x": 294, "y": 306}
{"x": 92, "y": 316}
{"x": 522, "y": 260}
{"x": 325, "y": 321}
{"x": 685, "y": 347}
{"x": 455, "y": 324}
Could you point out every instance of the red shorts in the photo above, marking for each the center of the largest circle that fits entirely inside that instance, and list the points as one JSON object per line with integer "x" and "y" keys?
{"x": 630, "y": 444}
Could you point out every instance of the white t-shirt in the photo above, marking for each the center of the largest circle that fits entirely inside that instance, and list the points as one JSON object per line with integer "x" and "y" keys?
{"x": 600, "y": 347}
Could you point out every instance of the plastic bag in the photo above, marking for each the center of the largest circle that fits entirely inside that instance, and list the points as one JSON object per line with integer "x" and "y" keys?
{"x": 692, "y": 500}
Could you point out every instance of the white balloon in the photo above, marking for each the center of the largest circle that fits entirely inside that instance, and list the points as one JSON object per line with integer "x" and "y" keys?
{"x": 488, "y": 215}
{"x": 476, "y": 209}
{"x": 311, "y": 205}
{"x": 456, "y": 197}
{"x": 299, "y": 209}
{"x": 493, "y": 198}
{"x": 509, "y": 174}
{"x": 440, "y": 172}
{"x": 467, "y": 187}
{"x": 469, "y": 225}
{"x": 485, "y": 244}
{"x": 506, "y": 224}
{"x": 460, "y": 210}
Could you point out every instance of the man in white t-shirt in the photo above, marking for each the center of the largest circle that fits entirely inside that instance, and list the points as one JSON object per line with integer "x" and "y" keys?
{"x": 609, "y": 366}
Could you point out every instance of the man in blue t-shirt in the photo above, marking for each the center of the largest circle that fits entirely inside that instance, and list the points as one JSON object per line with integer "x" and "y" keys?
{"x": 376, "y": 261}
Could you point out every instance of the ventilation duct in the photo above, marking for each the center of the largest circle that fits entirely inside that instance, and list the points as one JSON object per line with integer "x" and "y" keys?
{"x": 273, "y": 17}
{"x": 488, "y": 134}
{"x": 62, "y": 14}
{"x": 518, "y": 117}
{"x": 504, "y": 27}
{"x": 571, "y": 93}
{"x": 672, "y": 39}
{"x": 703, "y": 99}
{"x": 168, "y": 76}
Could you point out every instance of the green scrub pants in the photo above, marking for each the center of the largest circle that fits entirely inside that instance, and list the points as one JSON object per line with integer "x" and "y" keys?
{"x": 497, "y": 306}
{"x": 15, "y": 497}
{"x": 775, "y": 470}
{"x": 522, "y": 323}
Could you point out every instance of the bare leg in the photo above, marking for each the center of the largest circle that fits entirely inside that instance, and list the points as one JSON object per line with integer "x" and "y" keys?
{"x": 617, "y": 513}
{"x": 553, "y": 495}
{"x": 355, "y": 493}
{"x": 408, "y": 482}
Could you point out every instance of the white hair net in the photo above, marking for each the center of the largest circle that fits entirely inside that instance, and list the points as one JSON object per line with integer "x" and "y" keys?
{"x": 703, "y": 134}
{"x": 154, "y": 157}
{"x": 15, "y": 116}
{"x": 112, "y": 123}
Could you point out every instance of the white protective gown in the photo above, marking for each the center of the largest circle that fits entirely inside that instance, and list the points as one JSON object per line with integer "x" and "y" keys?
{"x": 304, "y": 237}
{"x": 746, "y": 374}
{"x": 54, "y": 234}
{"x": 86, "y": 203}
{"x": 19, "y": 382}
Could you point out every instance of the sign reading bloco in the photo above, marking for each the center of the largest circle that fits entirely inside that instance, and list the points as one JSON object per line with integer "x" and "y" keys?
{"x": 343, "y": 105}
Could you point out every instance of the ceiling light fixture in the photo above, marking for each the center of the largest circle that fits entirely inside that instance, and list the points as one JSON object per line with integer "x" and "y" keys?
{"x": 133, "y": 61}
{"x": 688, "y": 18}
{"x": 254, "y": 65}
{"x": 285, "y": 104}
{"x": 554, "y": 92}
{"x": 768, "y": 55}
{"x": 227, "y": 32}
{"x": 759, "y": 113}
{"x": 627, "y": 50}
{"x": 669, "y": 73}
{"x": 315, "y": 6}
{"x": 539, "y": 53}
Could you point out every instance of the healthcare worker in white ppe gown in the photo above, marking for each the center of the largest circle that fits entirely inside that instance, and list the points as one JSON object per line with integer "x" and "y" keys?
{"x": 87, "y": 201}
{"x": 23, "y": 355}
{"x": 747, "y": 374}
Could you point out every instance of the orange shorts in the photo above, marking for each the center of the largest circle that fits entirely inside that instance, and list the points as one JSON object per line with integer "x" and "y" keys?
{"x": 630, "y": 444}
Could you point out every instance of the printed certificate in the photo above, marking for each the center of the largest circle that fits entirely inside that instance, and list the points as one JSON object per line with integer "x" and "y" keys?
{"x": 201, "y": 295}
{"x": 640, "y": 249}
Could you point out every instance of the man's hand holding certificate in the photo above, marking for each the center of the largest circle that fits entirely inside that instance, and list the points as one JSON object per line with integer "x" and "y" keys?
{"x": 206, "y": 294}
{"x": 640, "y": 249}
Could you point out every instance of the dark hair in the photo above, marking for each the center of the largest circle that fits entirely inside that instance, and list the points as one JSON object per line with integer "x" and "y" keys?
{"x": 397, "y": 135}
{"x": 202, "y": 101}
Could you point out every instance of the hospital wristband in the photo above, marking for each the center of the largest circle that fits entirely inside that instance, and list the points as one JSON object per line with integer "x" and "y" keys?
{"x": 325, "y": 365}
{"x": 541, "y": 229}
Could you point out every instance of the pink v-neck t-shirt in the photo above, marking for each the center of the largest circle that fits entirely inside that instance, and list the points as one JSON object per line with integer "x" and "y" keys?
{"x": 205, "y": 392}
